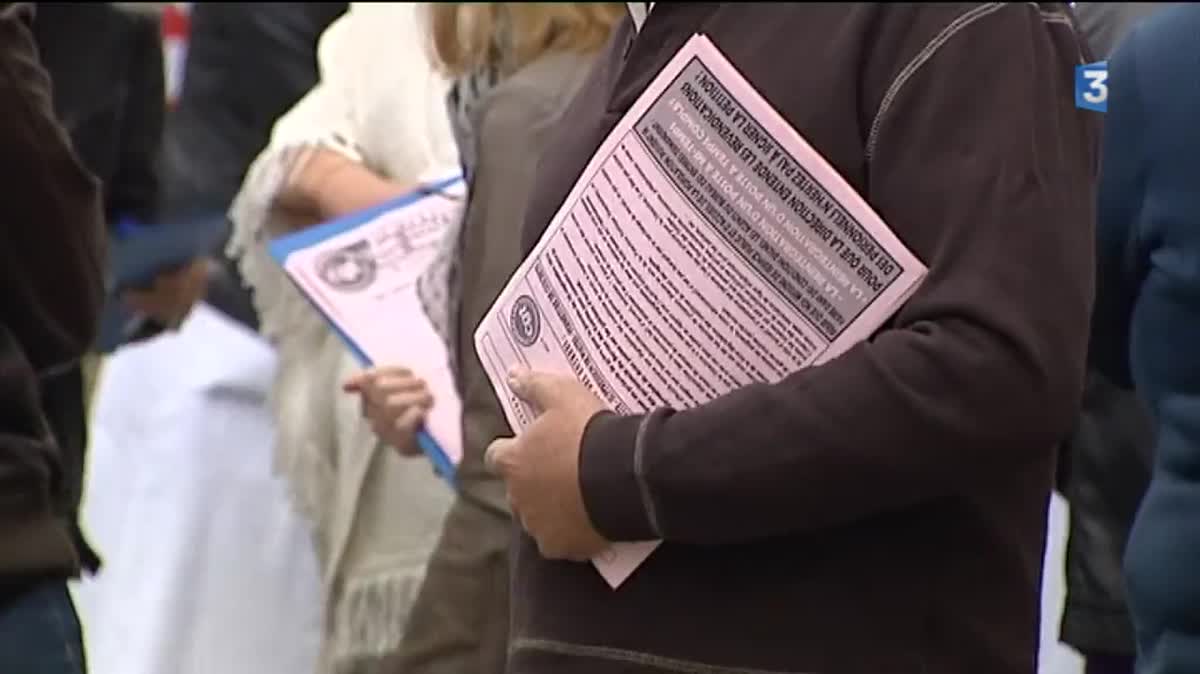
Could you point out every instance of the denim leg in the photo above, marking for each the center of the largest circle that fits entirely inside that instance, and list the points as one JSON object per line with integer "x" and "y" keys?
{"x": 40, "y": 633}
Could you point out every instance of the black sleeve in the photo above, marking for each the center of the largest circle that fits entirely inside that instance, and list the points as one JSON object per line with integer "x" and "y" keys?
{"x": 134, "y": 191}
{"x": 51, "y": 278}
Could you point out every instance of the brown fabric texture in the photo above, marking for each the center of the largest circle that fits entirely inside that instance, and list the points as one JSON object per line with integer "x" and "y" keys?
{"x": 883, "y": 513}
{"x": 51, "y": 287}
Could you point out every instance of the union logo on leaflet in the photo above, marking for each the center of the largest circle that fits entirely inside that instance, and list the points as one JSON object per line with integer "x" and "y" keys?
{"x": 525, "y": 321}
{"x": 348, "y": 269}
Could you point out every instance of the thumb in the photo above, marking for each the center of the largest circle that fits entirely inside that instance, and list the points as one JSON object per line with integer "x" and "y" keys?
{"x": 498, "y": 456}
{"x": 539, "y": 389}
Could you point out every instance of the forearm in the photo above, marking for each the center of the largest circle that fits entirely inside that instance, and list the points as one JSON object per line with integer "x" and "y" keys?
{"x": 907, "y": 419}
{"x": 330, "y": 185}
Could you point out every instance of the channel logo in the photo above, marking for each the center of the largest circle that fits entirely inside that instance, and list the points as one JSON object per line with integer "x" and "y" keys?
{"x": 1091, "y": 86}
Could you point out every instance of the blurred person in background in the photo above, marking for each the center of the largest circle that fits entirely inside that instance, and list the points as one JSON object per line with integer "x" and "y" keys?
{"x": 1104, "y": 466}
{"x": 514, "y": 67}
{"x": 51, "y": 295}
{"x": 373, "y": 128}
{"x": 106, "y": 67}
{"x": 1146, "y": 320}
{"x": 1105, "y": 23}
{"x": 246, "y": 64}
{"x": 207, "y": 567}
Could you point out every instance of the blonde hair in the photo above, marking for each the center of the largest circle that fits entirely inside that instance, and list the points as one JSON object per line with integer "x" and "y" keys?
{"x": 465, "y": 36}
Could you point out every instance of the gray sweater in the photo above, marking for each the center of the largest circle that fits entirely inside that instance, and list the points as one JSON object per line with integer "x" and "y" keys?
{"x": 511, "y": 128}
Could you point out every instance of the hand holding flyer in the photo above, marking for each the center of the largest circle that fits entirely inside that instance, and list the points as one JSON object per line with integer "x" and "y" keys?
{"x": 706, "y": 246}
{"x": 361, "y": 273}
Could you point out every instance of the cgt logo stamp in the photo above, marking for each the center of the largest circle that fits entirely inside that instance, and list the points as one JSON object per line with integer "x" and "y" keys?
{"x": 525, "y": 321}
{"x": 1091, "y": 86}
{"x": 348, "y": 269}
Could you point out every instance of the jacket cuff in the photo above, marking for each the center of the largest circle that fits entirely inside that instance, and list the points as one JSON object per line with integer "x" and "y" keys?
{"x": 608, "y": 478}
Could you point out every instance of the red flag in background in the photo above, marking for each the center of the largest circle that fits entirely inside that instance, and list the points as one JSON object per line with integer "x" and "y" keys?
{"x": 175, "y": 29}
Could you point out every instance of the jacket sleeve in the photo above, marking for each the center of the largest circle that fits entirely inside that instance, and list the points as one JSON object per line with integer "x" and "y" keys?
{"x": 986, "y": 170}
{"x": 134, "y": 190}
{"x": 51, "y": 278}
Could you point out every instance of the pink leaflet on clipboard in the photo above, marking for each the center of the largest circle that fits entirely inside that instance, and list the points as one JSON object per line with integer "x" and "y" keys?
{"x": 361, "y": 273}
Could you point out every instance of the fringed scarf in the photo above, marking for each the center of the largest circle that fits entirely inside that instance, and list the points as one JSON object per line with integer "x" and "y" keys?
{"x": 375, "y": 516}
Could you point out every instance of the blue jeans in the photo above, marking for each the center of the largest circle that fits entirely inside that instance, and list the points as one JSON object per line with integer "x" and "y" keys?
{"x": 40, "y": 633}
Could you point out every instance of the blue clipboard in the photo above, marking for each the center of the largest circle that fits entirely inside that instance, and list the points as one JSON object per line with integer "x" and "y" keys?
{"x": 282, "y": 247}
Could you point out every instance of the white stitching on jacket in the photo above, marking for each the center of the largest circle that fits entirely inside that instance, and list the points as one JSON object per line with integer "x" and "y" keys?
{"x": 919, "y": 60}
{"x": 931, "y": 48}
{"x": 639, "y": 454}
{"x": 633, "y": 657}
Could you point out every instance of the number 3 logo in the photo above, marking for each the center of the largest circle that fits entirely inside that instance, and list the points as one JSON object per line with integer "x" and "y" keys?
{"x": 1091, "y": 86}
{"x": 1098, "y": 85}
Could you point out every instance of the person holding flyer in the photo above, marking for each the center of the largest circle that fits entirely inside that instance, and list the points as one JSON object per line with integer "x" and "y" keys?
{"x": 372, "y": 129}
{"x": 515, "y": 66}
{"x": 883, "y": 508}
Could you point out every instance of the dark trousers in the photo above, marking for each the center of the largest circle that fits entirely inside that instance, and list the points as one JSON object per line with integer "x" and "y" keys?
{"x": 1108, "y": 664}
{"x": 40, "y": 633}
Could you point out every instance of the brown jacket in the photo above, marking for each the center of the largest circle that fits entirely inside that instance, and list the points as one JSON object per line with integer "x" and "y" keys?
{"x": 51, "y": 287}
{"x": 883, "y": 513}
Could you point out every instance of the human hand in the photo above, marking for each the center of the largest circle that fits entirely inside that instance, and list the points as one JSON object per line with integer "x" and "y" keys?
{"x": 396, "y": 403}
{"x": 541, "y": 466}
{"x": 171, "y": 295}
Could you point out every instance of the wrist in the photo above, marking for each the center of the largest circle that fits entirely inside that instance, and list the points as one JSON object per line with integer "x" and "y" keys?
{"x": 321, "y": 181}
{"x": 614, "y": 492}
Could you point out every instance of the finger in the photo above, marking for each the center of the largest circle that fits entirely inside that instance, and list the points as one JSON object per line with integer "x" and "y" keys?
{"x": 498, "y": 457}
{"x": 536, "y": 388}
{"x": 400, "y": 403}
{"x": 356, "y": 383}
{"x": 394, "y": 371}
{"x": 396, "y": 384}
{"x": 410, "y": 420}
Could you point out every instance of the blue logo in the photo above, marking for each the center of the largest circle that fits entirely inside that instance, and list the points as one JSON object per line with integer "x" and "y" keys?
{"x": 1091, "y": 86}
